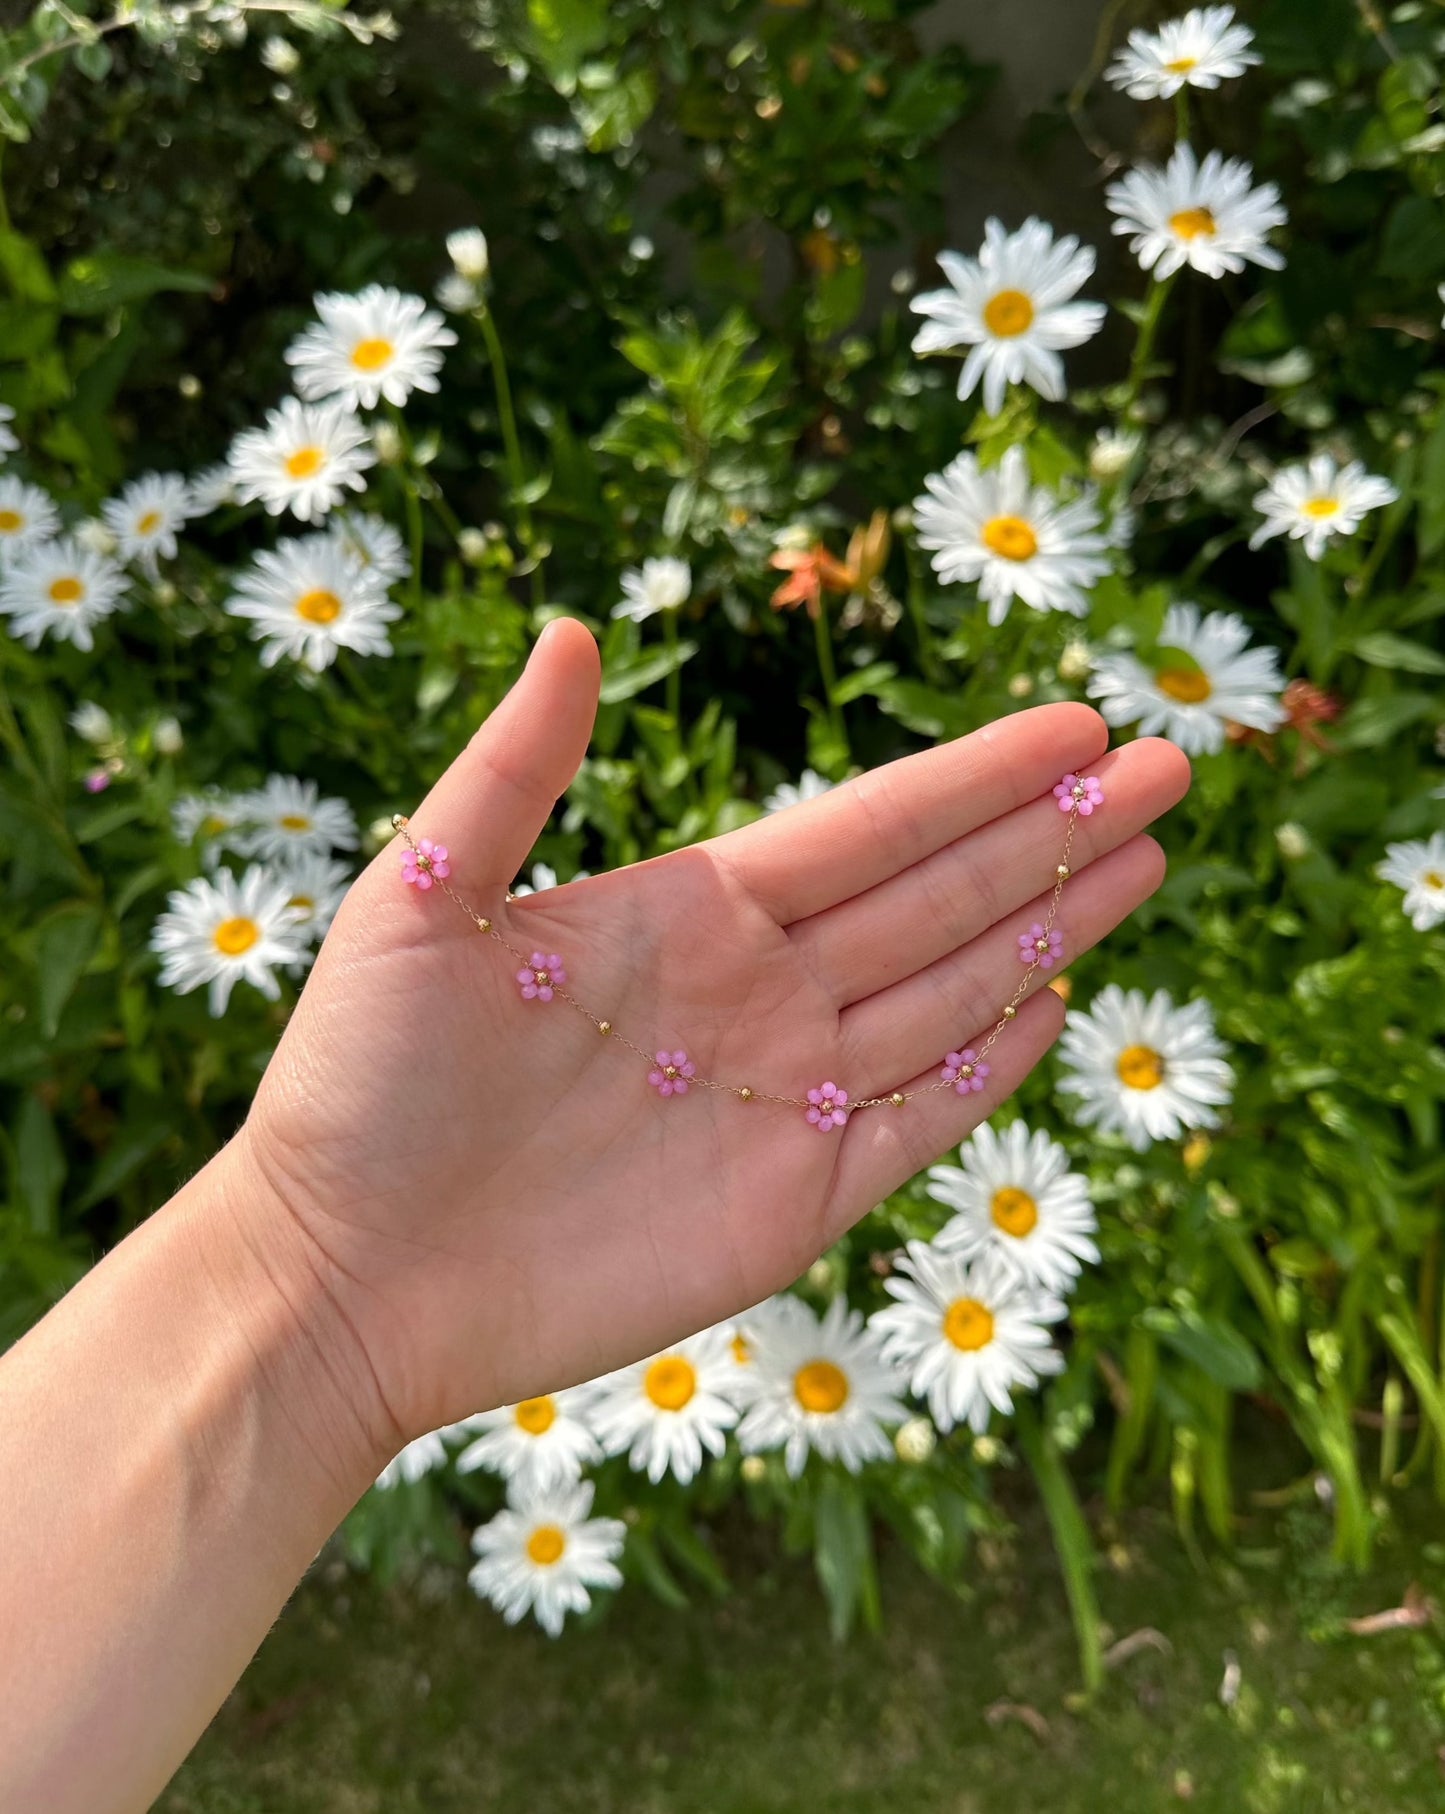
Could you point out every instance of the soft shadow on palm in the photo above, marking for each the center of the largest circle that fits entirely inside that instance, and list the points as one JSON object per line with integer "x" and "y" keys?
{"x": 497, "y": 1164}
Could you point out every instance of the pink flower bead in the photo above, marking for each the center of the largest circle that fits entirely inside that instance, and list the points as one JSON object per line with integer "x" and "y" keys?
{"x": 542, "y": 977}
{"x": 827, "y": 1107}
{"x": 670, "y": 1074}
{"x": 427, "y": 863}
{"x": 965, "y": 1070}
{"x": 1039, "y": 947}
{"x": 1081, "y": 791}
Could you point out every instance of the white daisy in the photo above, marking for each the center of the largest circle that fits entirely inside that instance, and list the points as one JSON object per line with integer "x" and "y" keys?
{"x": 217, "y": 930}
{"x": 287, "y": 819}
{"x": 378, "y": 343}
{"x": 212, "y": 818}
{"x": 968, "y": 1333}
{"x": 1204, "y": 48}
{"x": 542, "y": 1554}
{"x": 1012, "y": 539}
{"x": 543, "y": 878}
{"x": 92, "y": 723}
{"x": 9, "y": 440}
{"x": 307, "y": 598}
{"x": 664, "y": 1412}
{"x": 1205, "y": 215}
{"x": 212, "y": 489}
{"x": 820, "y": 1386}
{"x": 536, "y": 1445}
{"x": 59, "y": 589}
{"x": 145, "y": 517}
{"x": 657, "y": 585}
{"x": 371, "y": 542}
{"x": 1012, "y": 306}
{"x": 1310, "y": 503}
{"x": 318, "y": 886}
{"x": 810, "y": 786}
{"x": 1419, "y": 868}
{"x": 1224, "y": 682}
{"x": 418, "y": 1459}
{"x": 304, "y": 460}
{"x": 1142, "y": 1067}
{"x": 27, "y": 516}
{"x": 1016, "y": 1198}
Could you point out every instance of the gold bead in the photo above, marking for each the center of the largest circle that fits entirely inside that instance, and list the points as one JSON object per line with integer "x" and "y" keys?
{"x": 669, "y": 1070}
{"x": 399, "y": 821}
{"x": 745, "y": 1094}
{"x": 898, "y": 1099}
{"x": 965, "y": 1070}
{"x": 1010, "y": 1012}
{"x": 1063, "y": 872}
{"x": 484, "y": 925}
{"x": 604, "y": 1027}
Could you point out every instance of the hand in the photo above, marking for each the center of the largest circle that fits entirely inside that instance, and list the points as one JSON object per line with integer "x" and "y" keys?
{"x": 495, "y": 1198}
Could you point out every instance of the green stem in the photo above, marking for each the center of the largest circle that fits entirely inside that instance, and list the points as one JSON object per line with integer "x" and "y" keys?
{"x": 417, "y": 536}
{"x": 927, "y": 652}
{"x": 1154, "y": 299}
{"x": 1071, "y": 1539}
{"x": 822, "y": 636}
{"x": 512, "y": 446}
{"x": 1181, "y": 115}
{"x": 674, "y": 675}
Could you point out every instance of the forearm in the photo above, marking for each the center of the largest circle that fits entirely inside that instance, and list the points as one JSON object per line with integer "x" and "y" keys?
{"x": 177, "y": 1439}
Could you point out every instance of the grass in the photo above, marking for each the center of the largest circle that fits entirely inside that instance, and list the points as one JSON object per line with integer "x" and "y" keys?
{"x": 417, "y": 1700}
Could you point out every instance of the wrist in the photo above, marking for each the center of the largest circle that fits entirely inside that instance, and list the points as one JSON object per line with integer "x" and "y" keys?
{"x": 291, "y": 1350}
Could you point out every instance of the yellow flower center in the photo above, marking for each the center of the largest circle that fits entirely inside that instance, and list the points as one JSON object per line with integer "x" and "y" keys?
{"x": 1434, "y": 878}
{"x": 536, "y": 1415}
{"x": 670, "y": 1382}
{"x": 1011, "y": 538}
{"x": 303, "y": 903}
{"x": 545, "y": 1545}
{"x": 968, "y": 1324}
{"x": 1140, "y": 1068}
{"x": 294, "y": 822}
{"x": 233, "y": 937}
{"x": 1320, "y": 507}
{"x": 820, "y": 1386}
{"x": 305, "y": 463}
{"x": 11, "y": 521}
{"x": 1008, "y": 313}
{"x": 1194, "y": 223}
{"x": 149, "y": 523}
{"x": 1187, "y": 685}
{"x": 1014, "y": 1211}
{"x": 67, "y": 591}
{"x": 213, "y": 826}
{"x": 319, "y": 607}
{"x": 1181, "y": 66}
{"x": 742, "y": 1352}
{"x": 371, "y": 355}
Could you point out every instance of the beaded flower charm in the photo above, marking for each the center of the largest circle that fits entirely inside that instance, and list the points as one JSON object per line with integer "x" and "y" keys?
{"x": 1079, "y": 792}
{"x": 425, "y": 864}
{"x": 670, "y": 1074}
{"x": 827, "y": 1107}
{"x": 542, "y": 976}
{"x": 1041, "y": 945}
{"x": 965, "y": 1070}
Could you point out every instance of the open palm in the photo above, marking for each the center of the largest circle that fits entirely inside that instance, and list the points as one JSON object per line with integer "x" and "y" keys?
{"x": 500, "y": 1202}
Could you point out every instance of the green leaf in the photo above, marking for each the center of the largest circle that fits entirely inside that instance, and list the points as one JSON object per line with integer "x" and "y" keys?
{"x": 64, "y": 943}
{"x": 1371, "y": 722}
{"x": 843, "y": 1556}
{"x": 627, "y": 679}
{"x": 24, "y": 269}
{"x": 102, "y": 281}
{"x": 1210, "y": 1344}
{"x": 1383, "y": 649}
{"x": 39, "y": 1165}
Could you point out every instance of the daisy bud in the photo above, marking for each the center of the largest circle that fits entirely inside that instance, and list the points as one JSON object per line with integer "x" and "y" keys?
{"x": 754, "y": 1469}
{"x": 915, "y": 1441}
{"x": 94, "y": 536}
{"x": 473, "y": 546}
{"x": 386, "y": 440}
{"x": 1110, "y": 455}
{"x": 92, "y": 722}
{"x": 467, "y": 249}
{"x": 986, "y": 1450}
{"x": 168, "y": 736}
{"x": 1075, "y": 662}
{"x": 280, "y": 57}
{"x": 1293, "y": 841}
{"x": 1020, "y": 686}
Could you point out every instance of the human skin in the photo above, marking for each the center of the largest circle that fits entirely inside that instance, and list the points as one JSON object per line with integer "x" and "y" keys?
{"x": 446, "y": 1198}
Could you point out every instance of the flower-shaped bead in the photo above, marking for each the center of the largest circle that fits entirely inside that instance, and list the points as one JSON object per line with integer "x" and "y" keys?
{"x": 965, "y": 1070}
{"x": 670, "y": 1074}
{"x": 827, "y": 1107}
{"x": 542, "y": 977}
{"x": 1041, "y": 947}
{"x": 424, "y": 865}
{"x": 1081, "y": 792}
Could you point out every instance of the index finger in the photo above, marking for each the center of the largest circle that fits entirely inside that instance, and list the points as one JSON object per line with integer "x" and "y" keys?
{"x": 809, "y": 857}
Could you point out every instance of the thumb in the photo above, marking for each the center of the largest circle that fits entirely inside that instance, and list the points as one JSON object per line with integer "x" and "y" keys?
{"x": 495, "y": 798}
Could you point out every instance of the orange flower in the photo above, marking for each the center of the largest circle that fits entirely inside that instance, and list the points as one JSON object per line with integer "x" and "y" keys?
{"x": 812, "y": 569}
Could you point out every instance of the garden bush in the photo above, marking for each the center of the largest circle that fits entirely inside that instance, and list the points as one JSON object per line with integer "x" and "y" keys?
{"x": 675, "y": 342}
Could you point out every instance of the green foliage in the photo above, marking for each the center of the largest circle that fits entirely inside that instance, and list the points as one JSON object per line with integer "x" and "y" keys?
{"x": 685, "y": 206}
